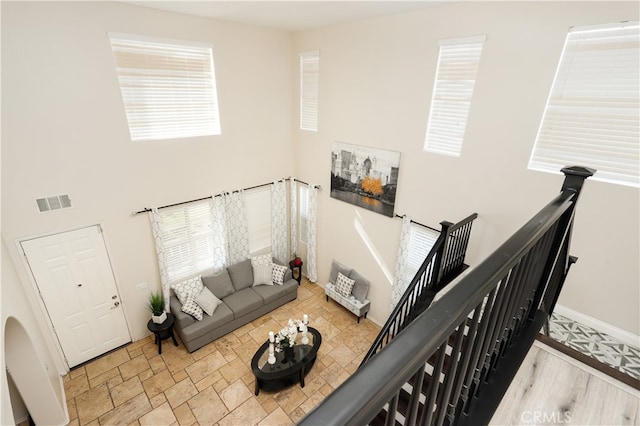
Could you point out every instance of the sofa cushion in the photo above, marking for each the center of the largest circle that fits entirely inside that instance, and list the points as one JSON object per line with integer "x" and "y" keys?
{"x": 243, "y": 301}
{"x": 207, "y": 301}
{"x": 241, "y": 274}
{"x": 361, "y": 287}
{"x": 184, "y": 288}
{"x": 220, "y": 317}
{"x": 219, "y": 284}
{"x": 271, "y": 293}
{"x": 344, "y": 285}
{"x": 338, "y": 267}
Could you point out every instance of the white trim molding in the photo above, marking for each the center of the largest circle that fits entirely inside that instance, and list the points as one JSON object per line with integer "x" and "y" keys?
{"x": 624, "y": 336}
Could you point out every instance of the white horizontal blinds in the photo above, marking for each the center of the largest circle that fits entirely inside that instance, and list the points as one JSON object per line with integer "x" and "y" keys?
{"x": 258, "y": 202}
{"x": 309, "y": 87}
{"x": 458, "y": 61}
{"x": 168, "y": 87}
{"x": 420, "y": 243}
{"x": 186, "y": 235}
{"x": 591, "y": 117}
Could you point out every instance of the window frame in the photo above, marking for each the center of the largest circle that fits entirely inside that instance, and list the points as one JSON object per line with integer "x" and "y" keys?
{"x": 588, "y": 120}
{"x": 309, "y": 90}
{"x": 450, "y": 100}
{"x": 168, "y": 87}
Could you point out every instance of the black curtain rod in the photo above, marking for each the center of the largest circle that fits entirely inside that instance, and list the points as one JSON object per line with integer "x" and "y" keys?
{"x": 146, "y": 209}
{"x": 418, "y": 223}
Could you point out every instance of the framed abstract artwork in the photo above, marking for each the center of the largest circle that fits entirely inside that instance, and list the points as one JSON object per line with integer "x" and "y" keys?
{"x": 366, "y": 177}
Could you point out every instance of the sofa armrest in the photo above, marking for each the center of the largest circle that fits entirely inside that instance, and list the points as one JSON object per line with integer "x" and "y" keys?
{"x": 182, "y": 320}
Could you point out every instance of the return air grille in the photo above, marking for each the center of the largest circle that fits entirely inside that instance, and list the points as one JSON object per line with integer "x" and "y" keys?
{"x": 55, "y": 202}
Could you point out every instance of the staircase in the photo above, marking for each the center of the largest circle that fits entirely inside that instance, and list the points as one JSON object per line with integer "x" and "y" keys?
{"x": 442, "y": 265}
{"x": 452, "y": 364}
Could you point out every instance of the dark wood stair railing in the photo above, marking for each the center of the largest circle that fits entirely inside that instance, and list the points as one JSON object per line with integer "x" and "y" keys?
{"x": 454, "y": 362}
{"x": 443, "y": 263}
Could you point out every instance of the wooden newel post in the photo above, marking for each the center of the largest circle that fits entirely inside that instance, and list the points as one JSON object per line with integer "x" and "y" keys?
{"x": 442, "y": 251}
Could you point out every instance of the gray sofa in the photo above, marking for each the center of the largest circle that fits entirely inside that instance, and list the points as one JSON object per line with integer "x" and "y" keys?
{"x": 241, "y": 304}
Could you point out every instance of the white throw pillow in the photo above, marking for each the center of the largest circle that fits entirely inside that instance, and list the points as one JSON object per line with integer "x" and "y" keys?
{"x": 262, "y": 275}
{"x": 192, "y": 285}
{"x": 191, "y": 307}
{"x": 344, "y": 285}
{"x": 208, "y": 301}
{"x": 278, "y": 272}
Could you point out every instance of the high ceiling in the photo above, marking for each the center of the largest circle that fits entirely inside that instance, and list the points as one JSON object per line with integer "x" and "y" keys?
{"x": 290, "y": 15}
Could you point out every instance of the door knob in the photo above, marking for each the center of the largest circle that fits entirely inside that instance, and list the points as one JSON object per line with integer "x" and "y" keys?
{"x": 114, "y": 297}
{"x": 116, "y": 304}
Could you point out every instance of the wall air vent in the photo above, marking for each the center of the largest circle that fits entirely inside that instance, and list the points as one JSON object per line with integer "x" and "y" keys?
{"x": 55, "y": 202}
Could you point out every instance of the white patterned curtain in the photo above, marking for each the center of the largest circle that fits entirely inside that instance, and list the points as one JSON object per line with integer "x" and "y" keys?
{"x": 237, "y": 227}
{"x": 279, "y": 221}
{"x": 312, "y": 232}
{"x": 155, "y": 219}
{"x": 294, "y": 216}
{"x": 400, "y": 282}
{"x": 219, "y": 233}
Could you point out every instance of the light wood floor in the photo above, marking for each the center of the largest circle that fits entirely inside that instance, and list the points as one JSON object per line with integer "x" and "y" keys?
{"x": 214, "y": 385}
{"x": 553, "y": 388}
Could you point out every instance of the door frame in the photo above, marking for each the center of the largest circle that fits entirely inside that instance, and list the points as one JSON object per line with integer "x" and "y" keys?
{"x": 38, "y": 294}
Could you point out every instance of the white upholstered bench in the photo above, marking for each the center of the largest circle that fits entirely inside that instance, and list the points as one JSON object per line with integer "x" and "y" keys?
{"x": 350, "y": 290}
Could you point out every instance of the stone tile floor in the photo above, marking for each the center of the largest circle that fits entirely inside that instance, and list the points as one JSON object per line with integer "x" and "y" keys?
{"x": 214, "y": 385}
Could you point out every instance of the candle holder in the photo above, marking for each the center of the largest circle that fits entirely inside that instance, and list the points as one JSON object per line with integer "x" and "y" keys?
{"x": 305, "y": 338}
{"x": 272, "y": 358}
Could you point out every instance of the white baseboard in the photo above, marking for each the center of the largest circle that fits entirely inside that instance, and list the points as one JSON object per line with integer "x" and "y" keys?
{"x": 624, "y": 336}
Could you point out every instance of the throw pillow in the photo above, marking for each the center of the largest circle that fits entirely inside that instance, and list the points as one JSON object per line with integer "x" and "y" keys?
{"x": 262, "y": 269}
{"x": 191, "y": 307}
{"x": 338, "y": 267}
{"x": 241, "y": 274}
{"x": 182, "y": 289}
{"x": 262, "y": 275}
{"x": 207, "y": 301}
{"x": 219, "y": 284}
{"x": 278, "y": 272}
{"x": 344, "y": 285}
{"x": 361, "y": 287}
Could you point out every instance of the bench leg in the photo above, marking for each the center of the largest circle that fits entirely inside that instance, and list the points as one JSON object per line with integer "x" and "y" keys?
{"x": 327, "y": 296}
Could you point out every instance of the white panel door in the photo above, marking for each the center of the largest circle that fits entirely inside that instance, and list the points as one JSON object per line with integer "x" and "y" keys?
{"x": 75, "y": 279}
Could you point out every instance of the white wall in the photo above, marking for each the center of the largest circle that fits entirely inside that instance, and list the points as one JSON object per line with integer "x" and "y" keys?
{"x": 376, "y": 79}
{"x": 64, "y": 129}
{"x": 37, "y": 379}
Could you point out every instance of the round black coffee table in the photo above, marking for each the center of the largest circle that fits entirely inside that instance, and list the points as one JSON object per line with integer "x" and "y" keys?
{"x": 283, "y": 373}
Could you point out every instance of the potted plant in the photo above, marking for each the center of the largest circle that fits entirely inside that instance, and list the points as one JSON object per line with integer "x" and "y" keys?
{"x": 156, "y": 305}
{"x": 296, "y": 260}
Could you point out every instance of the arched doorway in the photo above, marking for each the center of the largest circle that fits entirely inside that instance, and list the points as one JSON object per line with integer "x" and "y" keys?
{"x": 30, "y": 376}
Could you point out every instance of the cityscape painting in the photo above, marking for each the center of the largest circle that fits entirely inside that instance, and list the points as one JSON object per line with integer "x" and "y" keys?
{"x": 366, "y": 177}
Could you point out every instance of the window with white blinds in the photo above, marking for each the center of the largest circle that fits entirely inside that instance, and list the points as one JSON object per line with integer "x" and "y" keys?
{"x": 186, "y": 235}
{"x": 591, "y": 116}
{"x": 309, "y": 86}
{"x": 458, "y": 61}
{"x": 168, "y": 87}
{"x": 421, "y": 241}
{"x": 258, "y": 202}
